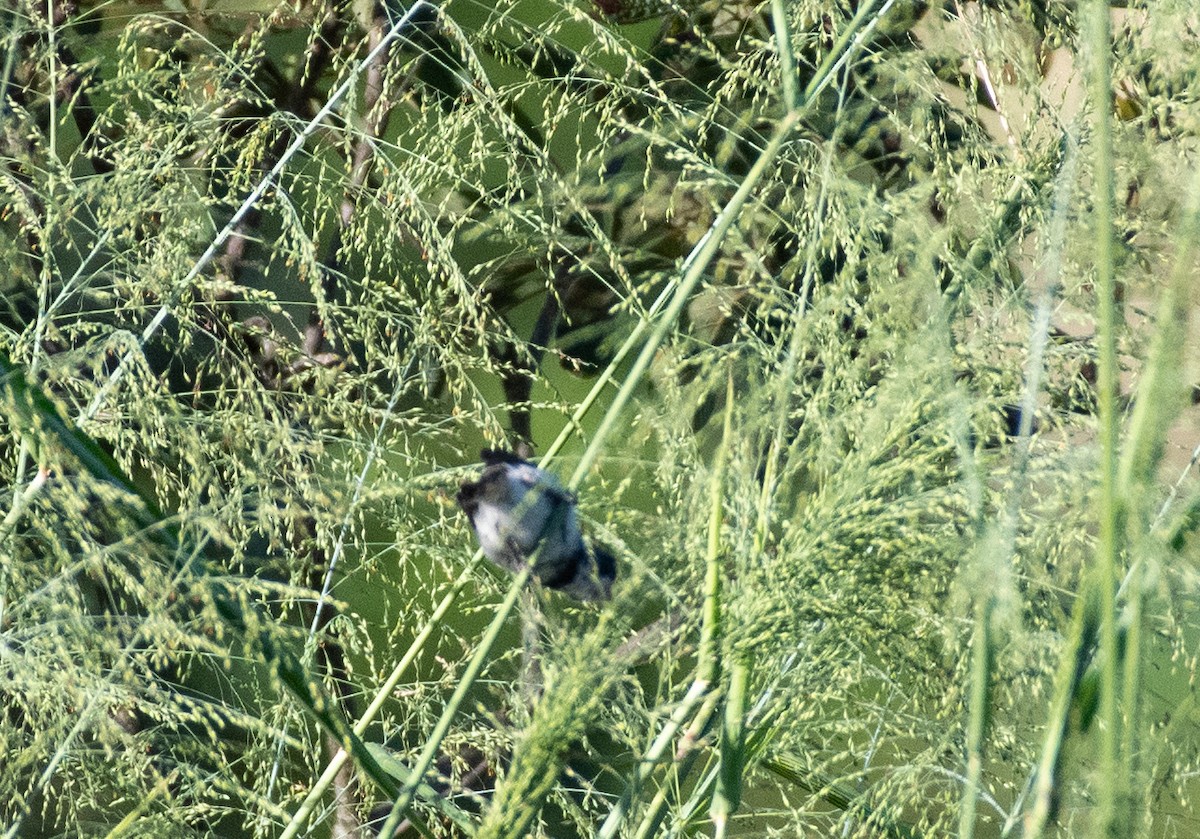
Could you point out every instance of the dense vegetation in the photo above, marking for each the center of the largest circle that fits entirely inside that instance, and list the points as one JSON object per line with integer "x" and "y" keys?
{"x": 863, "y": 331}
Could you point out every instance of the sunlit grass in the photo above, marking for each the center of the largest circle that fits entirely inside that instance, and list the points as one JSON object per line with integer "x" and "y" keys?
{"x": 873, "y": 344}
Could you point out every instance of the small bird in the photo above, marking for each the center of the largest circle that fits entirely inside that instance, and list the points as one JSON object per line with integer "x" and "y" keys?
{"x": 517, "y": 508}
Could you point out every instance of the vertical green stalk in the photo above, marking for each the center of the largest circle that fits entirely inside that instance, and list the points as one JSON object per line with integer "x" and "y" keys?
{"x": 1095, "y": 619}
{"x": 1161, "y": 395}
{"x": 1076, "y": 656}
{"x": 466, "y": 681}
{"x": 982, "y": 656}
{"x": 1131, "y": 693}
{"x": 52, "y": 79}
{"x": 728, "y": 795}
{"x": 654, "y": 755}
{"x": 787, "y": 57}
{"x": 732, "y": 756}
{"x": 1111, "y": 771}
{"x": 656, "y": 810}
{"x": 694, "y": 266}
{"x": 13, "y": 22}
{"x": 709, "y": 663}
{"x": 309, "y": 804}
{"x": 998, "y": 551}
{"x": 708, "y": 658}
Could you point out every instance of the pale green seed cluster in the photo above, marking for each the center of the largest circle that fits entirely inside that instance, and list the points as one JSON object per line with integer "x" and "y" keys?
{"x": 635, "y": 11}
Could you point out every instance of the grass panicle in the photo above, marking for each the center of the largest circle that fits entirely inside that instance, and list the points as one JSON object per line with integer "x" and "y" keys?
{"x": 862, "y": 335}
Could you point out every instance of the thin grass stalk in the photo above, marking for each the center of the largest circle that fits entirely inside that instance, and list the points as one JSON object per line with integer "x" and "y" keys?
{"x": 682, "y": 768}
{"x": 757, "y": 732}
{"x": 787, "y": 56}
{"x": 466, "y": 681}
{"x": 708, "y": 658}
{"x": 1095, "y": 609}
{"x": 1113, "y": 780}
{"x": 1175, "y": 531}
{"x": 685, "y": 760}
{"x": 161, "y": 790}
{"x": 308, "y": 805}
{"x": 11, "y": 51}
{"x": 52, "y": 82}
{"x": 46, "y": 273}
{"x": 32, "y": 409}
{"x": 709, "y": 246}
{"x": 704, "y": 791}
{"x": 979, "y": 699}
{"x": 983, "y": 651}
{"x": 1160, "y": 398}
{"x": 656, "y": 810}
{"x": 786, "y": 378}
{"x": 248, "y": 204}
{"x": 728, "y": 795}
{"x": 1161, "y": 390}
{"x": 1132, "y": 687}
{"x": 752, "y": 739}
{"x": 732, "y": 751}
{"x": 1071, "y": 666}
{"x": 659, "y": 751}
{"x": 785, "y": 381}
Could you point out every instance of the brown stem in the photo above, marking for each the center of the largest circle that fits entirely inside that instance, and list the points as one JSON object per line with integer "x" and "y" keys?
{"x": 333, "y": 662}
{"x": 316, "y": 337}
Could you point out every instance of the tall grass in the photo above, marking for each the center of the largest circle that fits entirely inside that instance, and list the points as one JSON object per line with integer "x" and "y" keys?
{"x": 861, "y": 332}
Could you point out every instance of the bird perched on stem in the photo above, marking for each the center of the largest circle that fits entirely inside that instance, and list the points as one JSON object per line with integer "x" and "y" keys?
{"x": 519, "y": 511}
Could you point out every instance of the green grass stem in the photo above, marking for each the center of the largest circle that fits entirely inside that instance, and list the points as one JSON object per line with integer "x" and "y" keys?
{"x": 466, "y": 681}
{"x": 693, "y": 269}
{"x": 43, "y": 423}
{"x": 300, "y": 817}
{"x": 1113, "y": 781}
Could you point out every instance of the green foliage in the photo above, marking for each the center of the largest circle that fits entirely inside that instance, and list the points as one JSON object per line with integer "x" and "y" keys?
{"x": 865, "y": 339}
